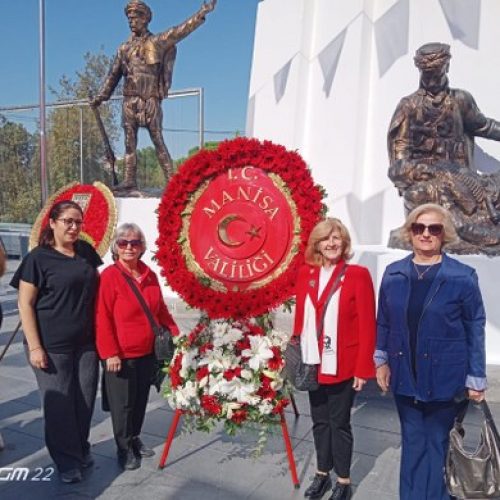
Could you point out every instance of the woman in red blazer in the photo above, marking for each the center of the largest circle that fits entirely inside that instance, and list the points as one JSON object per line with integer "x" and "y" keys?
{"x": 344, "y": 349}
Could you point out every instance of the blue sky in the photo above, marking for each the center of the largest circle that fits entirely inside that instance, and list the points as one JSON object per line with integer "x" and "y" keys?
{"x": 217, "y": 56}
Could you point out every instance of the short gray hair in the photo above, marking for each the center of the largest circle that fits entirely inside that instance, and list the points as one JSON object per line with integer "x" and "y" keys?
{"x": 449, "y": 232}
{"x": 127, "y": 227}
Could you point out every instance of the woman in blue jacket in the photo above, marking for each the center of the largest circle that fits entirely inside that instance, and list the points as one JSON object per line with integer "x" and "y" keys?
{"x": 430, "y": 347}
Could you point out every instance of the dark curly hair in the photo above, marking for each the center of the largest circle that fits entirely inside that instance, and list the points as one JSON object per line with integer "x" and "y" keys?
{"x": 46, "y": 238}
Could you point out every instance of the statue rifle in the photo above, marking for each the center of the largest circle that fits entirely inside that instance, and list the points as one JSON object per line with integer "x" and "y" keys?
{"x": 110, "y": 156}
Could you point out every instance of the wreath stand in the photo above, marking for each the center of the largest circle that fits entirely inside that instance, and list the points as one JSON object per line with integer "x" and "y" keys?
{"x": 284, "y": 429}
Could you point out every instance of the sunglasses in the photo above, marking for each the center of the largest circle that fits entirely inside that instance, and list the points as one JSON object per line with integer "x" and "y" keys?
{"x": 69, "y": 222}
{"x": 434, "y": 229}
{"x": 125, "y": 243}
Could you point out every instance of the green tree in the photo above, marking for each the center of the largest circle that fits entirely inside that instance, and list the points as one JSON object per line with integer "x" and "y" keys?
{"x": 63, "y": 125}
{"x": 149, "y": 172}
{"x": 20, "y": 186}
{"x": 193, "y": 151}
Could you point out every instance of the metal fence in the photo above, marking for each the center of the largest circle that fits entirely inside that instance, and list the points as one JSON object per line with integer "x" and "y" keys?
{"x": 71, "y": 154}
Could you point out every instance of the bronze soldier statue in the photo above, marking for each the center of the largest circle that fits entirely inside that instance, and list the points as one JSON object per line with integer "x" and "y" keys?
{"x": 145, "y": 61}
{"x": 431, "y": 145}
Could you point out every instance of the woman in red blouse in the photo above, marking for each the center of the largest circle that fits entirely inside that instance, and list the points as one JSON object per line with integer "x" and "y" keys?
{"x": 125, "y": 340}
{"x": 343, "y": 350}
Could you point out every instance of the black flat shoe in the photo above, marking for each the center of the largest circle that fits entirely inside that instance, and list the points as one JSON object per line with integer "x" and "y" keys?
{"x": 140, "y": 448}
{"x": 128, "y": 460}
{"x": 319, "y": 486}
{"x": 341, "y": 492}
{"x": 70, "y": 476}
{"x": 87, "y": 461}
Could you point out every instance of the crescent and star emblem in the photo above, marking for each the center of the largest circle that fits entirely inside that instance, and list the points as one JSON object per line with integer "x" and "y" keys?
{"x": 222, "y": 227}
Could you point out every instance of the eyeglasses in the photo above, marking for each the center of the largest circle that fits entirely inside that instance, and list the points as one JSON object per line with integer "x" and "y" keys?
{"x": 125, "y": 243}
{"x": 69, "y": 222}
{"x": 419, "y": 228}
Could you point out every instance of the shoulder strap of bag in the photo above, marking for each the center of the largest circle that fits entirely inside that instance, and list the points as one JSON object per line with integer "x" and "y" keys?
{"x": 141, "y": 300}
{"x": 335, "y": 287}
{"x": 489, "y": 418}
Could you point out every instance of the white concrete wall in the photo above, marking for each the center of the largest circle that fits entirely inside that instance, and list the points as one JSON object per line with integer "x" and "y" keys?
{"x": 342, "y": 135}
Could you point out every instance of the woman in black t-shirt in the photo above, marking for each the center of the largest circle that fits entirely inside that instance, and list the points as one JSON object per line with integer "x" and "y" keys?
{"x": 57, "y": 284}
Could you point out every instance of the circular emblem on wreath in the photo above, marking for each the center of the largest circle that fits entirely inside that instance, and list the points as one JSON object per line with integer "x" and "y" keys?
{"x": 99, "y": 213}
{"x": 233, "y": 224}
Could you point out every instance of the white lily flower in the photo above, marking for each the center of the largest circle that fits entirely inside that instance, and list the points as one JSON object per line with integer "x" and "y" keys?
{"x": 259, "y": 351}
{"x": 187, "y": 396}
{"x": 230, "y": 337}
{"x": 279, "y": 338}
{"x": 246, "y": 374}
{"x": 213, "y": 359}
{"x": 188, "y": 361}
{"x": 230, "y": 407}
{"x": 238, "y": 390}
{"x": 216, "y": 385}
{"x": 219, "y": 328}
{"x": 265, "y": 408}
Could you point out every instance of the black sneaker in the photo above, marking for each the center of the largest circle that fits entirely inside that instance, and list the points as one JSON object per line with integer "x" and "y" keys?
{"x": 319, "y": 486}
{"x": 128, "y": 460}
{"x": 140, "y": 448}
{"x": 341, "y": 492}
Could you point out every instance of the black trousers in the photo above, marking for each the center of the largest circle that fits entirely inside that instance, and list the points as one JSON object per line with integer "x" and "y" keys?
{"x": 331, "y": 415}
{"x": 68, "y": 390}
{"x": 128, "y": 392}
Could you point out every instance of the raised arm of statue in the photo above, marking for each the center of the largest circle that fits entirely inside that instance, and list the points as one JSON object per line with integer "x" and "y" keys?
{"x": 177, "y": 33}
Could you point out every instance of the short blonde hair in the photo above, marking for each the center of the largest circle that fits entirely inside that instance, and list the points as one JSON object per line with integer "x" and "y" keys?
{"x": 321, "y": 231}
{"x": 449, "y": 232}
{"x": 121, "y": 231}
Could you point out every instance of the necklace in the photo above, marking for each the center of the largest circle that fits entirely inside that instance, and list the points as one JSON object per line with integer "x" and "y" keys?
{"x": 420, "y": 275}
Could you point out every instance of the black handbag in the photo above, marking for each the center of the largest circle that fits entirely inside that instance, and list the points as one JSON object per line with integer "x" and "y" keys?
{"x": 164, "y": 345}
{"x": 304, "y": 377}
{"x": 474, "y": 474}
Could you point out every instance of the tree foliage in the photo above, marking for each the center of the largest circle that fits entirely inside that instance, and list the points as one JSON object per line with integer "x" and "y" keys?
{"x": 63, "y": 124}
{"x": 193, "y": 151}
{"x": 19, "y": 193}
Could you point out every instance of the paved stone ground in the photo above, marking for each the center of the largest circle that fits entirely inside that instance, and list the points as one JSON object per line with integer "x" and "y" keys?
{"x": 208, "y": 466}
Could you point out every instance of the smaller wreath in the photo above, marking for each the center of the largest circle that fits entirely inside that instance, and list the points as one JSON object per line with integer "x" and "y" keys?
{"x": 99, "y": 209}
{"x": 233, "y": 225}
{"x": 228, "y": 371}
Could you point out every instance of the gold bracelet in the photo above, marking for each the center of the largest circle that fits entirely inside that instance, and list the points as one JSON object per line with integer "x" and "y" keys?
{"x": 36, "y": 348}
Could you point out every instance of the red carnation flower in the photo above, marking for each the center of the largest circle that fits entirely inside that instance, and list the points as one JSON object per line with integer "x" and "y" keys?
{"x": 239, "y": 416}
{"x": 280, "y": 406}
{"x": 229, "y": 374}
{"x": 206, "y": 347}
{"x": 210, "y": 404}
{"x": 266, "y": 393}
{"x": 202, "y": 372}
{"x": 242, "y": 344}
{"x": 276, "y": 362}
